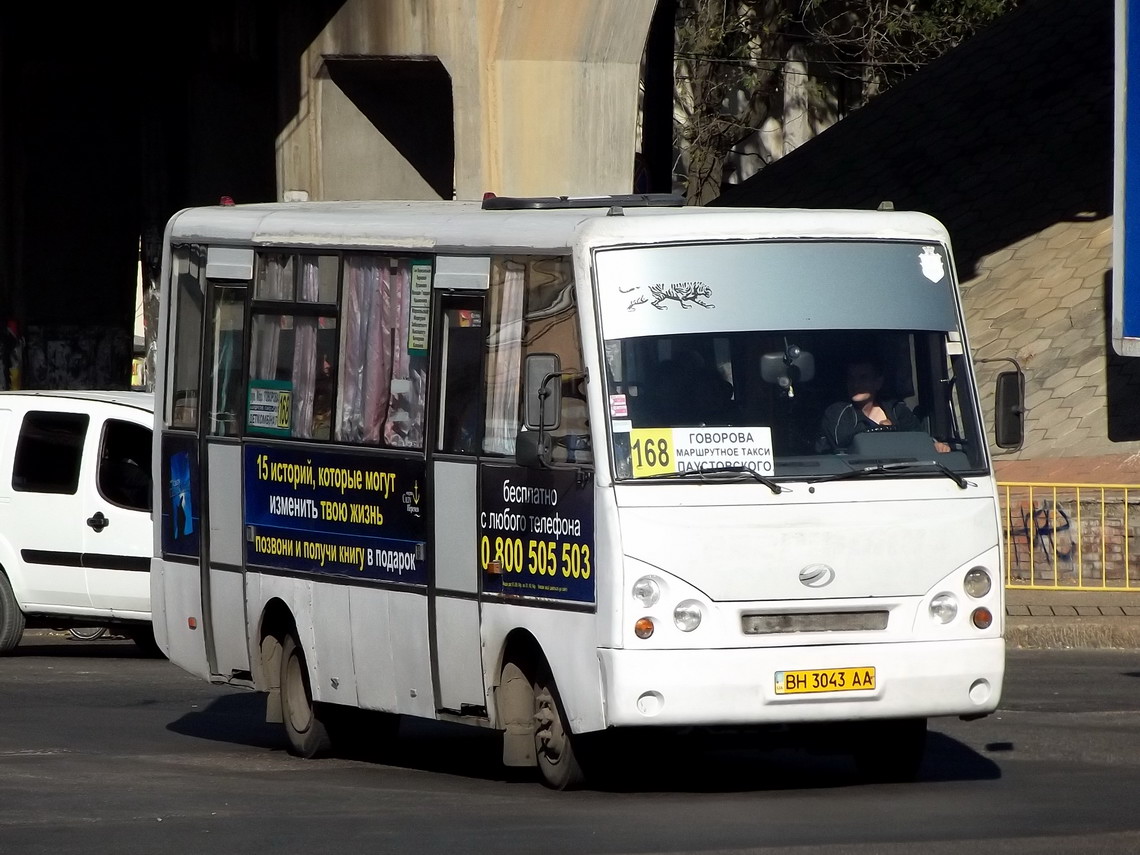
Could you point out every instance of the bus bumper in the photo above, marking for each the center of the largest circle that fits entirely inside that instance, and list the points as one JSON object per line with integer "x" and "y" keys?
{"x": 740, "y": 687}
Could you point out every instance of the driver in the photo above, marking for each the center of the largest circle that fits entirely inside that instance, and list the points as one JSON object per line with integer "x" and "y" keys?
{"x": 866, "y": 409}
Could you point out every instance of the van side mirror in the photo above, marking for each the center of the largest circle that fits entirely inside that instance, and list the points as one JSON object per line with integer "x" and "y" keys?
{"x": 1009, "y": 409}
{"x": 543, "y": 391}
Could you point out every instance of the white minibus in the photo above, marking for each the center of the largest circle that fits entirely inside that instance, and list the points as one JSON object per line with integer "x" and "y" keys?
{"x": 567, "y": 467}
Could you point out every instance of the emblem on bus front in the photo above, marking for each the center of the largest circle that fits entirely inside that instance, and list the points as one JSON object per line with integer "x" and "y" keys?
{"x": 817, "y": 576}
{"x": 931, "y": 263}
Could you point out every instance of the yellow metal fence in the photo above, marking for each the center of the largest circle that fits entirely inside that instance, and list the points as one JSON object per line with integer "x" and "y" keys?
{"x": 1071, "y": 536}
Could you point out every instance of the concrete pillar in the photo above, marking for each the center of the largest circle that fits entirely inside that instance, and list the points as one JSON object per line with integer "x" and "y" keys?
{"x": 534, "y": 98}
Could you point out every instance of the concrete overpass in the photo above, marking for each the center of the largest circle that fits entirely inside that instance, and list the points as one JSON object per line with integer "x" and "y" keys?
{"x": 110, "y": 121}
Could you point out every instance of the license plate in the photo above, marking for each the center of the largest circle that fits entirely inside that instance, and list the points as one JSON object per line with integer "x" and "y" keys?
{"x": 826, "y": 680}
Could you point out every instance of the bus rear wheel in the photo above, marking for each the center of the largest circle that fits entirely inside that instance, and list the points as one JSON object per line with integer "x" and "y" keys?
{"x": 553, "y": 744}
{"x": 890, "y": 751}
{"x": 306, "y": 733}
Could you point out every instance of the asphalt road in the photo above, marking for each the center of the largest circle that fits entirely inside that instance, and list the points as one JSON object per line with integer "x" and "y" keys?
{"x": 104, "y": 751}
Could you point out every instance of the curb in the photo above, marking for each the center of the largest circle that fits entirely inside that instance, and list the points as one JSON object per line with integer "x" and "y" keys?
{"x": 1117, "y": 633}
{"x": 1041, "y": 619}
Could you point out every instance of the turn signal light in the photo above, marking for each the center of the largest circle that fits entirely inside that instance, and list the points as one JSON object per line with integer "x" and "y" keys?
{"x": 982, "y": 618}
{"x": 643, "y": 628}
{"x": 192, "y": 622}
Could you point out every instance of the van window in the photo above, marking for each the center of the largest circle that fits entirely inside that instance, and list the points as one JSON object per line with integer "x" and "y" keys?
{"x": 49, "y": 452}
{"x": 124, "y": 465}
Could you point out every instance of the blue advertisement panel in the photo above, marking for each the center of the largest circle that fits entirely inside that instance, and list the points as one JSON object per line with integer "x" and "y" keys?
{"x": 536, "y": 533}
{"x": 1126, "y": 226}
{"x": 335, "y": 513}
{"x": 181, "y": 505}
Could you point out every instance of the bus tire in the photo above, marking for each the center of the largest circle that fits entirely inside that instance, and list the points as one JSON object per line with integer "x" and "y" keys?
{"x": 553, "y": 743}
{"x": 11, "y": 618}
{"x": 306, "y": 734}
{"x": 890, "y": 751}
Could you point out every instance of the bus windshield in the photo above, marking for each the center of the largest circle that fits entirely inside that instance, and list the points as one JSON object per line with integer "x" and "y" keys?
{"x": 796, "y": 361}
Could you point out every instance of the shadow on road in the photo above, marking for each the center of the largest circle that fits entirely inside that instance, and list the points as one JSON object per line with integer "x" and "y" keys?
{"x": 62, "y": 645}
{"x": 638, "y": 762}
{"x": 237, "y": 718}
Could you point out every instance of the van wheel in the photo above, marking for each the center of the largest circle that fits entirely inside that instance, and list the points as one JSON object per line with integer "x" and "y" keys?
{"x": 553, "y": 747}
{"x": 890, "y": 751}
{"x": 306, "y": 733}
{"x": 87, "y": 633}
{"x": 11, "y": 618}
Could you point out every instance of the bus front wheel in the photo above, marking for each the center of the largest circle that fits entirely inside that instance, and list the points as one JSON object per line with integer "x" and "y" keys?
{"x": 557, "y": 762}
{"x": 307, "y": 734}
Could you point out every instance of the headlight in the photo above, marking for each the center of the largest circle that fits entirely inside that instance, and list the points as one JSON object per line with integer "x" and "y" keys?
{"x": 944, "y": 607}
{"x": 647, "y": 591}
{"x": 687, "y": 615}
{"x": 977, "y": 582}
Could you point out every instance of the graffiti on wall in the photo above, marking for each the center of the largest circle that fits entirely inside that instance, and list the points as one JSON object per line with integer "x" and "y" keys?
{"x": 1041, "y": 537}
{"x": 72, "y": 357}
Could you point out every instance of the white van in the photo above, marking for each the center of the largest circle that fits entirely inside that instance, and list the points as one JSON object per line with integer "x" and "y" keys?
{"x": 75, "y": 497}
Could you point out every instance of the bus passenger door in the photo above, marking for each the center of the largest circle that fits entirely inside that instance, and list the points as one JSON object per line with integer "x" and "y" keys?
{"x": 223, "y": 391}
{"x": 455, "y": 441}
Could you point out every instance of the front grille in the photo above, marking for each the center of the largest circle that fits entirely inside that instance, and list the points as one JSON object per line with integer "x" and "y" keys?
{"x": 814, "y": 622}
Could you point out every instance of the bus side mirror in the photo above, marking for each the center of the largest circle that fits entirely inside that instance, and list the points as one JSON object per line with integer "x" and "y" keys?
{"x": 543, "y": 391}
{"x": 533, "y": 449}
{"x": 1009, "y": 409}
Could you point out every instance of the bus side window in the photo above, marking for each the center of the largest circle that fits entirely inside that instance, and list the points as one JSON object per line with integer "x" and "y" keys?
{"x": 293, "y": 346}
{"x": 296, "y": 355}
{"x": 383, "y": 374}
{"x": 187, "y": 323}
{"x": 532, "y": 310}
{"x": 461, "y": 383}
{"x": 228, "y": 337}
{"x": 503, "y": 363}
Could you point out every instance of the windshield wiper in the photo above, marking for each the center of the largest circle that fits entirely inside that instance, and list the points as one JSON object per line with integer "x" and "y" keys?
{"x": 735, "y": 468}
{"x": 902, "y": 466}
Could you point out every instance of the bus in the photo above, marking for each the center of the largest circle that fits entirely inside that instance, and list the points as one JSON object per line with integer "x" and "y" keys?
{"x": 558, "y": 467}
